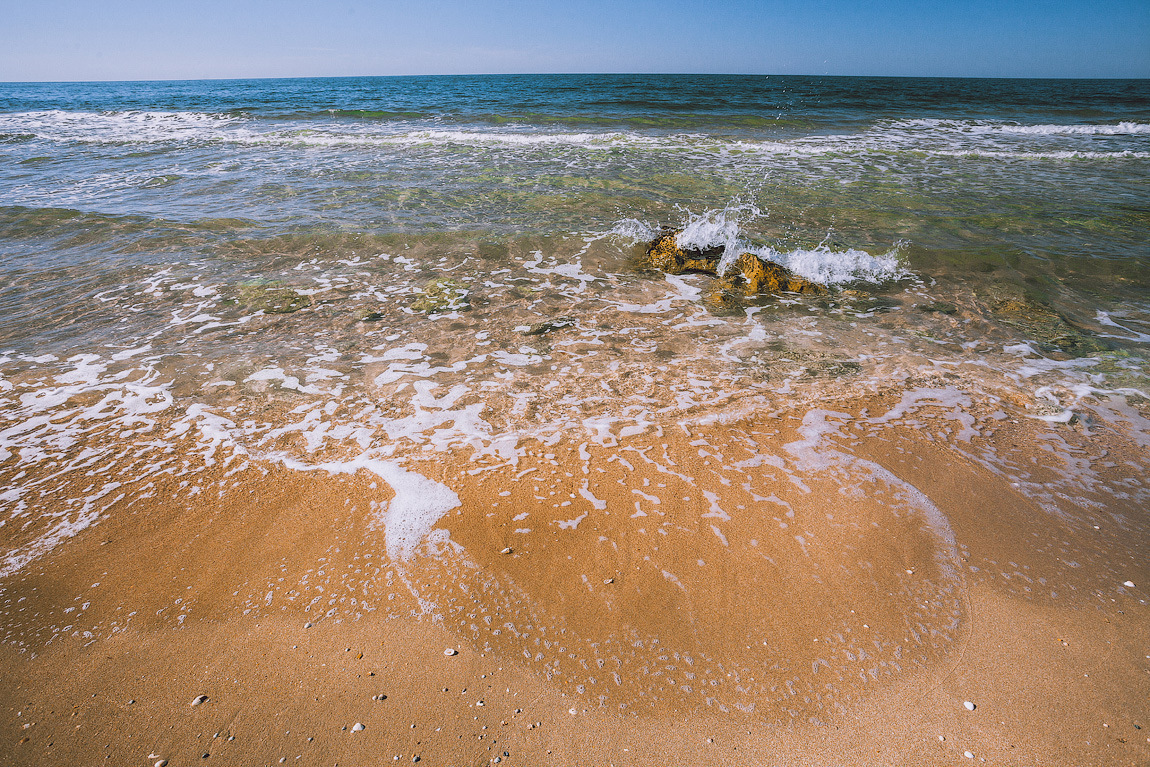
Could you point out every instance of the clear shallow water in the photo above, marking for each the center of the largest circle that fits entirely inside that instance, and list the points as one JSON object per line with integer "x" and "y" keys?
{"x": 202, "y": 277}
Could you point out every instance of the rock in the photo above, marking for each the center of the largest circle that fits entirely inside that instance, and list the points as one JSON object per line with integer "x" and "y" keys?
{"x": 776, "y": 278}
{"x": 450, "y": 651}
{"x": 268, "y": 296}
{"x": 1129, "y": 584}
{"x": 161, "y": 763}
{"x": 443, "y": 295}
{"x": 506, "y": 550}
{"x": 752, "y": 276}
{"x": 1041, "y": 324}
{"x": 968, "y": 705}
{"x": 540, "y": 328}
{"x": 968, "y": 755}
{"x": 199, "y": 699}
{"x": 718, "y": 300}
{"x": 358, "y": 727}
{"x": 941, "y": 307}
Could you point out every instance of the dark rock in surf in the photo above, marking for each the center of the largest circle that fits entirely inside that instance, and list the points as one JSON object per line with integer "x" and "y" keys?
{"x": 751, "y": 276}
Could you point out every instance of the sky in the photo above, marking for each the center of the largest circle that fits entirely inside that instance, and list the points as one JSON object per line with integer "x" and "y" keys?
{"x": 59, "y": 40}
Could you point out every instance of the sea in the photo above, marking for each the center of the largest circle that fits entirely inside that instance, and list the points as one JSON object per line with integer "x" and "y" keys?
{"x": 378, "y": 273}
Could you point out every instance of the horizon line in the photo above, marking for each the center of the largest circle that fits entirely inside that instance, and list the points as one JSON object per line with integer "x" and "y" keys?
{"x": 566, "y": 74}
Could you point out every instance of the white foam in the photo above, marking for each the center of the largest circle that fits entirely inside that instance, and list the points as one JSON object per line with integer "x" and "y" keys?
{"x": 418, "y": 503}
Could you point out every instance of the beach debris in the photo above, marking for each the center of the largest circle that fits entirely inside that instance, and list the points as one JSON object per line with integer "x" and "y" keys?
{"x": 161, "y": 763}
{"x": 968, "y": 755}
{"x": 381, "y": 696}
{"x": 308, "y": 625}
{"x": 968, "y": 705}
{"x": 749, "y": 275}
{"x": 506, "y": 550}
{"x": 1129, "y": 584}
{"x": 608, "y": 580}
{"x": 358, "y": 727}
{"x": 450, "y": 651}
{"x": 199, "y": 699}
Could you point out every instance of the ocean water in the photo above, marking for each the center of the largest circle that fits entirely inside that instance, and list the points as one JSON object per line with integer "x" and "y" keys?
{"x": 361, "y": 273}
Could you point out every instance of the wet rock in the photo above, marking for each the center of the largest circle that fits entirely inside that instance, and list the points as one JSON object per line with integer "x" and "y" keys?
{"x": 540, "y": 328}
{"x": 768, "y": 277}
{"x": 1039, "y": 323}
{"x": 833, "y": 368}
{"x": 443, "y": 295}
{"x": 939, "y": 307}
{"x": 751, "y": 275}
{"x": 719, "y": 301}
{"x": 268, "y": 296}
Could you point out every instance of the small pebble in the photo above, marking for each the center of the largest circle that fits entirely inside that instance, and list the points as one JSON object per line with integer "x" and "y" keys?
{"x": 506, "y": 550}
{"x": 609, "y": 580}
{"x": 283, "y": 759}
{"x": 199, "y": 699}
{"x": 1129, "y": 584}
{"x": 968, "y": 705}
{"x": 161, "y": 763}
{"x": 450, "y": 651}
{"x": 968, "y": 755}
{"x": 415, "y": 758}
{"x": 307, "y": 625}
{"x": 357, "y": 727}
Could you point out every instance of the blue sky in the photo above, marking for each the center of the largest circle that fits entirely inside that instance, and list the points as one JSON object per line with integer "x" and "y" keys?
{"x": 181, "y": 39}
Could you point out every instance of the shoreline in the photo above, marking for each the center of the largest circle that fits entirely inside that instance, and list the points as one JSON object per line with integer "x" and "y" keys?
{"x": 795, "y": 530}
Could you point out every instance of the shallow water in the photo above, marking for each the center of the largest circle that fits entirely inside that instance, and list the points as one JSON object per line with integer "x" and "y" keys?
{"x": 200, "y": 279}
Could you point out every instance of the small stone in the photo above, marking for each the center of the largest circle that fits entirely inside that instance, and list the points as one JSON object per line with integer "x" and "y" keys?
{"x": 968, "y": 755}
{"x": 450, "y": 651}
{"x": 941, "y": 738}
{"x": 161, "y": 763}
{"x": 199, "y": 699}
{"x": 283, "y": 759}
{"x": 415, "y": 758}
{"x": 1129, "y": 584}
{"x": 307, "y": 625}
{"x": 609, "y": 581}
{"x": 479, "y": 703}
{"x": 506, "y": 550}
{"x": 573, "y": 711}
{"x": 132, "y": 702}
{"x": 968, "y": 705}
{"x": 357, "y": 727}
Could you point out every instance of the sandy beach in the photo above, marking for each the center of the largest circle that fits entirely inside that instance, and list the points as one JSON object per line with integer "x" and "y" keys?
{"x": 747, "y": 592}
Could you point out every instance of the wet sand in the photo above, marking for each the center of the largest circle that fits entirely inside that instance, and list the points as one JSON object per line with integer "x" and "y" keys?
{"x": 821, "y": 587}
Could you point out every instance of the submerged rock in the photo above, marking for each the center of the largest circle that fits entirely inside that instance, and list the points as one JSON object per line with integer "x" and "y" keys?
{"x": 751, "y": 276}
{"x": 1043, "y": 325}
{"x": 443, "y": 295}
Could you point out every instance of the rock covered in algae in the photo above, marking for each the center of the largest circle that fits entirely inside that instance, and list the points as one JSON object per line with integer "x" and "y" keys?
{"x": 267, "y": 296}
{"x": 752, "y": 275}
{"x": 443, "y": 295}
{"x": 1042, "y": 324}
